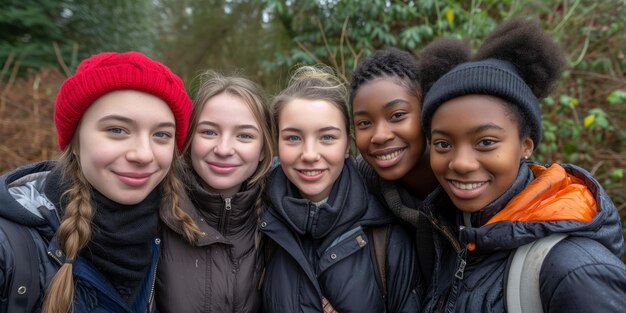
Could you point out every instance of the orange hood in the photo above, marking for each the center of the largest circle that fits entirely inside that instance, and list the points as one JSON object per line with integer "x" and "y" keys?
{"x": 553, "y": 195}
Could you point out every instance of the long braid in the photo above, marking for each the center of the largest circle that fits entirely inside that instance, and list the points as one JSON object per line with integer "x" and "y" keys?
{"x": 170, "y": 205}
{"x": 258, "y": 204}
{"x": 73, "y": 234}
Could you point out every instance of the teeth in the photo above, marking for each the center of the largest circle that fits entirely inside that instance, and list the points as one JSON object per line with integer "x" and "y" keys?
{"x": 389, "y": 156}
{"x": 311, "y": 173}
{"x": 467, "y": 186}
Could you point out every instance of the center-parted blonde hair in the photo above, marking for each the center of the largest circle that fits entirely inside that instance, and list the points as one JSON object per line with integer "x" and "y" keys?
{"x": 75, "y": 230}
{"x": 212, "y": 84}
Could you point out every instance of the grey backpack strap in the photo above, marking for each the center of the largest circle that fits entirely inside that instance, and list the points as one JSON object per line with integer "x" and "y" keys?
{"x": 522, "y": 286}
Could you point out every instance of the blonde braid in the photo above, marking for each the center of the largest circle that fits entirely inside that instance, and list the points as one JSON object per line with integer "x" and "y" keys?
{"x": 259, "y": 198}
{"x": 73, "y": 234}
{"x": 172, "y": 188}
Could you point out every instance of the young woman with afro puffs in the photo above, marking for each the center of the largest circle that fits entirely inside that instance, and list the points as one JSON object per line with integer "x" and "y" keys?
{"x": 481, "y": 116}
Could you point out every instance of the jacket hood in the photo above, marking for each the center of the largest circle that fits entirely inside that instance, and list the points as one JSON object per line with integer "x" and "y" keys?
{"x": 348, "y": 205}
{"x": 561, "y": 199}
{"x": 22, "y": 193}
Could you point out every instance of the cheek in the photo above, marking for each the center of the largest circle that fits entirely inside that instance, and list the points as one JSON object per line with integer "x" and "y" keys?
{"x": 164, "y": 154}
{"x": 286, "y": 154}
{"x": 361, "y": 140}
{"x": 438, "y": 162}
{"x": 253, "y": 152}
{"x": 199, "y": 148}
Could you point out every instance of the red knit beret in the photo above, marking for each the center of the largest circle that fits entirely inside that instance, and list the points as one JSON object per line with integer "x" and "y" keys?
{"x": 110, "y": 71}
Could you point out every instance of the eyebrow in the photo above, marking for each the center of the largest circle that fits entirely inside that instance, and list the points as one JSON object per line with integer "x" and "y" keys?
{"x": 243, "y": 126}
{"x": 323, "y": 129}
{"x": 124, "y": 119}
{"x": 475, "y": 130}
{"x": 385, "y": 106}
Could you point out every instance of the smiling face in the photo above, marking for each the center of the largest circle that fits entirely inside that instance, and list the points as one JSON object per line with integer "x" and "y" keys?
{"x": 312, "y": 146}
{"x": 126, "y": 144}
{"x": 227, "y": 146}
{"x": 387, "y": 128}
{"x": 476, "y": 149}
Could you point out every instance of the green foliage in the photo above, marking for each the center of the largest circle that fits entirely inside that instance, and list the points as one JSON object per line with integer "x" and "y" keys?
{"x": 224, "y": 35}
{"x": 41, "y": 33}
{"x": 110, "y": 25}
{"x": 28, "y": 28}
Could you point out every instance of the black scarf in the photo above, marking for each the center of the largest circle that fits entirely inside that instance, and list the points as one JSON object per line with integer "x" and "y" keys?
{"x": 120, "y": 241}
{"x": 120, "y": 236}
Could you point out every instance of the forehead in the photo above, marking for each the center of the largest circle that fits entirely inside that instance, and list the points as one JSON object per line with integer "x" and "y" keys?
{"x": 131, "y": 104}
{"x": 376, "y": 93}
{"x": 310, "y": 113}
{"x": 470, "y": 110}
{"x": 226, "y": 106}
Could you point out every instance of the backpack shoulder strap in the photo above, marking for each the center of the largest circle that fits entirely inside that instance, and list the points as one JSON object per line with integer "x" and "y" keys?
{"x": 380, "y": 238}
{"x": 23, "y": 291}
{"x": 522, "y": 282}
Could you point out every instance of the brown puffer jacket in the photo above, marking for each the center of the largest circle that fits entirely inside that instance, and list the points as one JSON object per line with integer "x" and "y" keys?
{"x": 220, "y": 273}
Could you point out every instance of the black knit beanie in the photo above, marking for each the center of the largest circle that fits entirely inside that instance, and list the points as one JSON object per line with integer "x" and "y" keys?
{"x": 487, "y": 77}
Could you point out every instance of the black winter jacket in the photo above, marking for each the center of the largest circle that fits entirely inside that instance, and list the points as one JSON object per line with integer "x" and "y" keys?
{"x": 325, "y": 251}
{"x": 23, "y": 201}
{"x": 582, "y": 273}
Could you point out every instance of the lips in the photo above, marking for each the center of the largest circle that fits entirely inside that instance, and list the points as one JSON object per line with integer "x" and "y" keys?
{"x": 387, "y": 157}
{"x": 222, "y": 168}
{"x": 310, "y": 174}
{"x": 466, "y": 186}
{"x": 467, "y": 190}
{"x": 133, "y": 179}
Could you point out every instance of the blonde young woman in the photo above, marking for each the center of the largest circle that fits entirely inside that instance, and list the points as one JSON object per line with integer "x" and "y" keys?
{"x": 228, "y": 152}
{"x": 320, "y": 218}
{"x": 93, "y": 215}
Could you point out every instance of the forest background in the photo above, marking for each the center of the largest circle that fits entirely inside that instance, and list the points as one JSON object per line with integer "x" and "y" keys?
{"x": 42, "y": 42}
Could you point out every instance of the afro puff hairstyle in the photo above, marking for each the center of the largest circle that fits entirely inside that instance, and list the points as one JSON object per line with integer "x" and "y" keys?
{"x": 537, "y": 58}
{"x": 518, "y": 63}
{"x": 387, "y": 63}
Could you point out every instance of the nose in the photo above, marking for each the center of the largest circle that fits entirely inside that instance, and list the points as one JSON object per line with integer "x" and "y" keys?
{"x": 464, "y": 161}
{"x": 223, "y": 147}
{"x": 382, "y": 134}
{"x": 141, "y": 151}
{"x": 310, "y": 152}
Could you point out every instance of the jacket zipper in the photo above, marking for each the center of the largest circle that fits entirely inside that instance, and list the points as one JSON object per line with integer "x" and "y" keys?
{"x": 156, "y": 265}
{"x": 225, "y": 215}
{"x": 446, "y": 233}
{"x": 54, "y": 257}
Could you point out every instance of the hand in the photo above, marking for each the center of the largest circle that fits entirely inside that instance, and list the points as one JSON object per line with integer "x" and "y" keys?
{"x": 328, "y": 308}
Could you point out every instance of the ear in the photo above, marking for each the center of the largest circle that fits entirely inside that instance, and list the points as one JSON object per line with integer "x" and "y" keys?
{"x": 527, "y": 147}
{"x": 347, "y": 155}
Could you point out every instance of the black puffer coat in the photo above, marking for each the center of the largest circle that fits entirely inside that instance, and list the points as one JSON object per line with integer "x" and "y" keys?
{"x": 582, "y": 273}
{"x": 325, "y": 251}
{"x": 220, "y": 273}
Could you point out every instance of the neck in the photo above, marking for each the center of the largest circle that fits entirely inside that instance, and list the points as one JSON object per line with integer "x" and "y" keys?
{"x": 421, "y": 179}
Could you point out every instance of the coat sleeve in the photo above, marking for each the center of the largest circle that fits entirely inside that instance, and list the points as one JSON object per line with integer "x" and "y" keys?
{"x": 6, "y": 258}
{"x": 581, "y": 275}
{"x": 403, "y": 281}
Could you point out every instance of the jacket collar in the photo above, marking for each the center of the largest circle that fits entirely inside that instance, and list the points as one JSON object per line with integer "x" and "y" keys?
{"x": 345, "y": 206}
{"x": 228, "y": 215}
